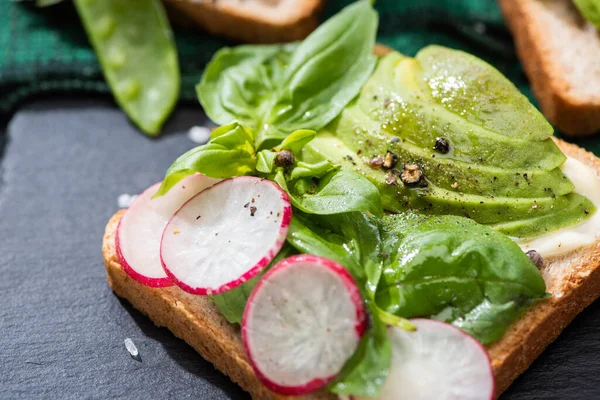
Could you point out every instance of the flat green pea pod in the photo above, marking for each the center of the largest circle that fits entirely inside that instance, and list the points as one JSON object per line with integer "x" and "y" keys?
{"x": 590, "y": 10}
{"x": 135, "y": 46}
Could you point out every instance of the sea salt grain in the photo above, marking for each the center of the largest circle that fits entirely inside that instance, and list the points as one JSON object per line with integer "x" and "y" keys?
{"x": 199, "y": 134}
{"x": 125, "y": 200}
{"x": 132, "y": 349}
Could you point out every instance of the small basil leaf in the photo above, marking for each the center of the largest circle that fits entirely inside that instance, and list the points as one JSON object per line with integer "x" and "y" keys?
{"x": 239, "y": 82}
{"x": 339, "y": 192}
{"x": 325, "y": 72}
{"x": 230, "y": 152}
{"x": 315, "y": 170}
{"x": 265, "y": 161}
{"x": 297, "y": 140}
{"x": 308, "y": 237}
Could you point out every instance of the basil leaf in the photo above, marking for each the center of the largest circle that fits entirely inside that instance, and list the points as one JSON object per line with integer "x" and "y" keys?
{"x": 308, "y": 237}
{"x": 366, "y": 371}
{"x": 279, "y": 89}
{"x": 452, "y": 269}
{"x": 297, "y": 140}
{"x": 239, "y": 82}
{"x": 229, "y": 152}
{"x": 339, "y": 192}
{"x": 326, "y": 71}
{"x": 314, "y": 170}
{"x": 265, "y": 161}
{"x": 233, "y": 302}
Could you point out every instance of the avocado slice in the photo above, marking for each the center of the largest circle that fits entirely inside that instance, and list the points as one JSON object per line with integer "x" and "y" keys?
{"x": 499, "y": 165}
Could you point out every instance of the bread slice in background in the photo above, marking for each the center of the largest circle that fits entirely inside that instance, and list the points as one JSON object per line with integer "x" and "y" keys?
{"x": 560, "y": 52}
{"x": 572, "y": 279}
{"x": 253, "y": 21}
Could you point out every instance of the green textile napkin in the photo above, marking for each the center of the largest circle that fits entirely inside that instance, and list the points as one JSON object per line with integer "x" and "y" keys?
{"x": 45, "y": 50}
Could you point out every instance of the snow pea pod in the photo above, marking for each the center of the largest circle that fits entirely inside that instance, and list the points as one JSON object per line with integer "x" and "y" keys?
{"x": 135, "y": 47}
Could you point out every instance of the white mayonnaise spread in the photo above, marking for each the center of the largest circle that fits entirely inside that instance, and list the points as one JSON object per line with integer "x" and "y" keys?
{"x": 583, "y": 234}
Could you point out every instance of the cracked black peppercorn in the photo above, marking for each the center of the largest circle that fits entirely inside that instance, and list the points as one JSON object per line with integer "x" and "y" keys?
{"x": 536, "y": 257}
{"x": 284, "y": 158}
{"x": 411, "y": 174}
{"x": 390, "y": 160}
{"x": 442, "y": 145}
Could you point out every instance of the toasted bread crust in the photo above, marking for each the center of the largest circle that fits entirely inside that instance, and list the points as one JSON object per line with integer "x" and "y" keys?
{"x": 227, "y": 20}
{"x": 572, "y": 115}
{"x": 572, "y": 279}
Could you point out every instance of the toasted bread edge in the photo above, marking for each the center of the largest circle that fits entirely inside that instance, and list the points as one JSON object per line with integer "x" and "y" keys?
{"x": 573, "y": 116}
{"x": 226, "y": 20}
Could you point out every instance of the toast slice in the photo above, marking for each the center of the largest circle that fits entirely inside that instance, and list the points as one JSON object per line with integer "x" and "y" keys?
{"x": 560, "y": 52}
{"x": 572, "y": 279}
{"x": 253, "y": 21}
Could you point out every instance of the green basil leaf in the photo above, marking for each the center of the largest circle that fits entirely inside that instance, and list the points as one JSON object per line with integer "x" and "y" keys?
{"x": 311, "y": 170}
{"x": 239, "y": 83}
{"x": 265, "y": 161}
{"x": 229, "y": 152}
{"x": 306, "y": 236}
{"x": 277, "y": 90}
{"x": 340, "y": 192}
{"x": 366, "y": 371}
{"x": 233, "y": 302}
{"x": 326, "y": 71}
{"x": 452, "y": 269}
{"x": 297, "y": 140}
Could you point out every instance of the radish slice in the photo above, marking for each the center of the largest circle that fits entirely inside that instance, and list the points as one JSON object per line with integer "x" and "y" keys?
{"x": 302, "y": 322}
{"x": 225, "y": 235}
{"x": 437, "y": 361}
{"x": 141, "y": 227}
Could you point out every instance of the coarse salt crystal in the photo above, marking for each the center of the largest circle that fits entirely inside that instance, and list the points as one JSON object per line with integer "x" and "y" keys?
{"x": 132, "y": 349}
{"x": 125, "y": 200}
{"x": 199, "y": 134}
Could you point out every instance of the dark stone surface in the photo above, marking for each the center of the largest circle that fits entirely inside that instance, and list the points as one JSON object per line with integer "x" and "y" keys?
{"x": 61, "y": 329}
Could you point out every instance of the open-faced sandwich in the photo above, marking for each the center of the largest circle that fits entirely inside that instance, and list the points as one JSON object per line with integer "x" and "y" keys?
{"x": 364, "y": 226}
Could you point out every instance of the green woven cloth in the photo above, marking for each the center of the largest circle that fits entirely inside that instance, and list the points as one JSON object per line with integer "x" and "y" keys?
{"x": 46, "y": 51}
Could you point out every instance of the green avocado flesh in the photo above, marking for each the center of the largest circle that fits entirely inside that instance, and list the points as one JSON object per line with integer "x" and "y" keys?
{"x": 501, "y": 167}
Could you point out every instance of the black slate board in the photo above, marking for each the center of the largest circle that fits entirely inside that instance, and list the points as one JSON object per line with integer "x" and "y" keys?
{"x": 61, "y": 328}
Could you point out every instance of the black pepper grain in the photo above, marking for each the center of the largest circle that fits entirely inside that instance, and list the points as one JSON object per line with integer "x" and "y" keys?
{"x": 252, "y": 211}
{"x": 441, "y": 145}
{"x": 390, "y": 160}
{"x": 536, "y": 257}
{"x": 284, "y": 158}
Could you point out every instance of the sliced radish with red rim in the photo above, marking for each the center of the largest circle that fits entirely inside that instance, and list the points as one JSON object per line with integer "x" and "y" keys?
{"x": 140, "y": 229}
{"x": 225, "y": 235}
{"x": 302, "y": 322}
{"x": 437, "y": 361}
